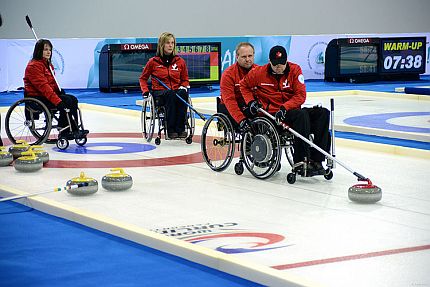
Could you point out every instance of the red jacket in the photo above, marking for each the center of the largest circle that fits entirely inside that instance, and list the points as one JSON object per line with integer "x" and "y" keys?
{"x": 174, "y": 75}
{"x": 39, "y": 82}
{"x": 289, "y": 91}
{"x": 231, "y": 96}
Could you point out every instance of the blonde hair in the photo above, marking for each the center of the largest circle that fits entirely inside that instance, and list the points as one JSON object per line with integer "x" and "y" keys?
{"x": 162, "y": 39}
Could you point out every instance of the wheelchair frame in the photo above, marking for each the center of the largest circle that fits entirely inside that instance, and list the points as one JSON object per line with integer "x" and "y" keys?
{"x": 154, "y": 114}
{"x": 31, "y": 120}
{"x": 260, "y": 147}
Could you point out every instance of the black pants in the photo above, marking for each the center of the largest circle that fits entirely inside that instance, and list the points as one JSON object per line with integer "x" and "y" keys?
{"x": 176, "y": 109}
{"x": 71, "y": 103}
{"x": 310, "y": 121}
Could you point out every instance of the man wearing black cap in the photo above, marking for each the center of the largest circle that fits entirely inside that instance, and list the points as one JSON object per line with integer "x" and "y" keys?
{"x": 279, "y": 87}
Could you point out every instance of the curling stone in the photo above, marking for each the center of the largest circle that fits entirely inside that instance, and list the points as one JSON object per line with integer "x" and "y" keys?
{"x": 117, "y": 181}
{"x": 28, "y": 162}
{"x": 5, "y": 157}
{"x": 18, "y": 148}
{"x": 39, "y": 152}
{"x": 91, "y": 187}
{"x": 365, "y": 193}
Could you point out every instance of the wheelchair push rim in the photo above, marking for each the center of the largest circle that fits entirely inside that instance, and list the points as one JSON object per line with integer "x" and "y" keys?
{"x": 218, "y": 142}
{"x": 28, "y": 119}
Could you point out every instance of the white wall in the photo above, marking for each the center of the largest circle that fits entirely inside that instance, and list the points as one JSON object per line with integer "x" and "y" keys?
{"x": 194, "y": 18}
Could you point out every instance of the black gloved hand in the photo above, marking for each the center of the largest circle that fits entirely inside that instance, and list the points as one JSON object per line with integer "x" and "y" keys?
{"x": 145, "y": 94}
{"x": 62, "y": 92}
{"x": 253, "y": 107}
{"x": 280, "y": 115}
{"x": 244, "y": 126}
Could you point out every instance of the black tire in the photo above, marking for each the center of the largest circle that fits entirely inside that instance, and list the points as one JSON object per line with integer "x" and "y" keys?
{"x": 261, "y": 149}
{"x": 191, "y": 121}
{"x": 157, "y": 141}
{"x": 147, "y": 118}
{"x": 28, "y": 119}
{"x": 81, "y": 141}
{"x": 238, "y": 168}
{"x": 291, "y": 178}
{"x": 62, "y": 143}
{"x": 218, "y": 142}
{"x": 189, "y": 140}
{"x": 328, "y": 174}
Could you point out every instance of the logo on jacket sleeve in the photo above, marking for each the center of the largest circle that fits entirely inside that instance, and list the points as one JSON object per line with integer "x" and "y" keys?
{"x": 301, "y": 78}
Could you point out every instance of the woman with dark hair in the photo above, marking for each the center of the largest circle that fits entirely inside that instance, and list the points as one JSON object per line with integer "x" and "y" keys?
{"x": 39, "y": 82}
{"x": 172, "y": 71}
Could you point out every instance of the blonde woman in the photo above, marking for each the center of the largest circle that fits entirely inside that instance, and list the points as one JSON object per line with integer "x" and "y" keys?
{"x": 172, "y": 71}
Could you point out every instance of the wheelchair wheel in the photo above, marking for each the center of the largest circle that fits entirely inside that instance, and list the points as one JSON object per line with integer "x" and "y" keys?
{"x": 147, "y": 118}
{"x": 81, "y": 141}
{"x": 261, "y": 149}
{"x": 191, "y": 123}
{"x": 28, "y": 119}
{"x": 218, "y": 142}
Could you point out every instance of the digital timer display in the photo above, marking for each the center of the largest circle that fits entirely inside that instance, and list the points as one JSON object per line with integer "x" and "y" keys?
{"x": 403, "y": 55}
{"x": 362, "y": 59}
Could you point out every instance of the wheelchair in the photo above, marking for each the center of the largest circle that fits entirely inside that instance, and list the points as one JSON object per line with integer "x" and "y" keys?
{"x": 260, "y": 148}
{"x": 154, "y": 115}
{"x": 31, "y": 120}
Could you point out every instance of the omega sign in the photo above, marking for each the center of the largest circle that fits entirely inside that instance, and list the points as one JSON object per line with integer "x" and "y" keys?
{"x": 129, "y": 47}
{"x": 358, "y": 40}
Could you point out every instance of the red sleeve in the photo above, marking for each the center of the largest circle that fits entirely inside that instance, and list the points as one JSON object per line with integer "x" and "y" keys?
{"x": 247, "y": 86}
{"x": 299, "y": 90}
{"x": 35, "y": 74}
{"x": 184, "y": 75}
{"x": 143, "y": 79}
{"x": 229, "y": 97}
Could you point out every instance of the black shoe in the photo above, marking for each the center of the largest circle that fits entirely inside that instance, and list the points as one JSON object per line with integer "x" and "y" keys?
{"x": 316, "y": 168}
{"x": 172, "y": 135}
{"x": 81, "y": 133}
{"x": 67, "y": 135}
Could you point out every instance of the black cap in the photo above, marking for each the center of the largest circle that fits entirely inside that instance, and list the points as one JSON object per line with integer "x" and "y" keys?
{"x": 278, "y": 55}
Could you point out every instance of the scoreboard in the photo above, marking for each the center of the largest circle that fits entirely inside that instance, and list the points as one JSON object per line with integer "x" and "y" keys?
{"x": 403, "y": 55}
{"x": 371, "y": 59}
{"x": 120, "y": 65}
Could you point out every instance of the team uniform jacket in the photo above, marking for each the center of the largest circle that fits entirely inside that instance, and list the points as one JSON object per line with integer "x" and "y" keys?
{"x": 231, "y": 96}
{"x": 174, "y": 75}
{"x": 39, "y": 82}
{"x": 288, "y": 91}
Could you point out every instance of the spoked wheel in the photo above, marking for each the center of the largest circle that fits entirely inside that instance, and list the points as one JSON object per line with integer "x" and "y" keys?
{"x": 261, "y": 149}
{"x": 147, "y": 118}
{"x": 28, "y": 119}
{"x": 218, "y": 142}
{"x": 191, "y": 123}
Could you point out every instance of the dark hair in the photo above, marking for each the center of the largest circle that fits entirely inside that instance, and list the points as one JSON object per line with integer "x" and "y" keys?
{"x": 38, "y": 49}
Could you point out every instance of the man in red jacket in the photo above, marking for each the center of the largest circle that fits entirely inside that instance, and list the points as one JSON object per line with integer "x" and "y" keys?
{"x": 279, "y": 87}
{"x": 232, "y": 103}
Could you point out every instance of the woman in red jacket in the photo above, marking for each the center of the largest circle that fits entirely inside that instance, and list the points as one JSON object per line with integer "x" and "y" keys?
{"x": 40, "y": 83}
{"x": 172, "y": 71}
